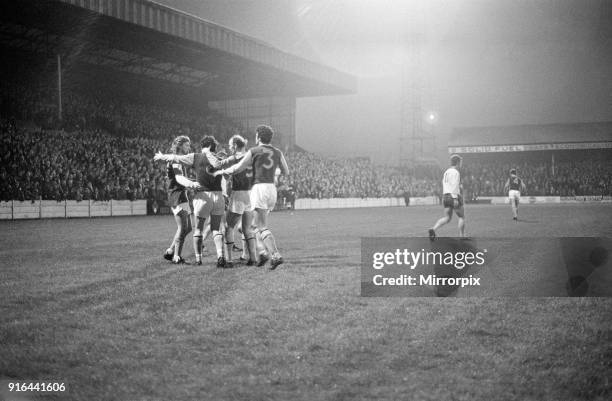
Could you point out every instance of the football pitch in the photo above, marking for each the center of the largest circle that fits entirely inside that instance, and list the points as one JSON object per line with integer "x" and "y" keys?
{"x": 91, "y": 303}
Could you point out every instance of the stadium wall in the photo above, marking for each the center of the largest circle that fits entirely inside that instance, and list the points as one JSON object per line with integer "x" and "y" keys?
{"x": 497, "y": 200}
{"x": 43, "y": 209}
{"x": 500, "y": 200}
{"x": 432, "y": 200}
{"x": 339, "y": 203}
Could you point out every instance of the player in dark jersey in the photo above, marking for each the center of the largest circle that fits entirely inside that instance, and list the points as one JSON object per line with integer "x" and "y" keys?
{"x": 208, "y": 198}
{"x": 264, "y": 159}
{"x": 177, "y": 199}
{"x": 514, "y": 185}
{"x": 239, "y": 205}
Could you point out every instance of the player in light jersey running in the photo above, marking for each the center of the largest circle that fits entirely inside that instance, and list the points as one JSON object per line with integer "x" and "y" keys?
{"x": 264, "y": 159}
{"x": 208, "y": 198}
{"x": 451, "y": 198}
{"x": 514, "y": 185}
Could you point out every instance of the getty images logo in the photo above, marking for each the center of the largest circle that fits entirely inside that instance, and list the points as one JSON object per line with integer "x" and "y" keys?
{"x": 412, "y": 260}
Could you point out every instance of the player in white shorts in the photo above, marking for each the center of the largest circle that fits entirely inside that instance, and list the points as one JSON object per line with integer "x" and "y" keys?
{"x": 178, "y": 200}
{"x": 208, "y": 199}
{"x": 239, "y": 211}
{"x": 264, "y": 159}
{"x": 451, "y": 198}
{"x": 514, "y": 185}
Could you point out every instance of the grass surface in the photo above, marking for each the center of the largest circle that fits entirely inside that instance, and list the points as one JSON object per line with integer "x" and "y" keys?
{"x": 91, "y": 303}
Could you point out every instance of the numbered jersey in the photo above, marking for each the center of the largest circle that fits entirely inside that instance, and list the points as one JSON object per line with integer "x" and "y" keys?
{"x": 451, "y": 182}
{"x": 515, "y": 183}
{"x": 204, "y": 173}
{"x": 266, "y": 159}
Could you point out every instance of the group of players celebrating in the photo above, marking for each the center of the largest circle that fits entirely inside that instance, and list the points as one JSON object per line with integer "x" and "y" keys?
{"x": 453, "y": 201}
{"x": 248, "y": 176}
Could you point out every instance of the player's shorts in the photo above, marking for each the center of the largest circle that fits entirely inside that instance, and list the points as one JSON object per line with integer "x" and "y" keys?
{"x": 182, "y": 206}
{"x": 206, "y": 203}
{"x": 514, "y": 194}
{"x": 239, "y": 202}
{"x": 263, "y": 196}
{"x": 449, "y": 201}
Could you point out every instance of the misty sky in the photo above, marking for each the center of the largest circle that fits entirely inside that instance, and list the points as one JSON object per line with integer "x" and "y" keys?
{"x": 482, "y": 62}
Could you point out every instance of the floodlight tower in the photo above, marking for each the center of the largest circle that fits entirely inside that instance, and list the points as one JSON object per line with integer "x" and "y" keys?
{"x": 416, "y": 143}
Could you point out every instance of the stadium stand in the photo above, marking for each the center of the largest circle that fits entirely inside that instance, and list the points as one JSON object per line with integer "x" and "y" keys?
{"x": 318, "y": 177}
{"x": 102, "y": 149}
{"x": 123, "y": 101}
{"x": 82, "y": 165}
{"x": 577, "y": 177}
{"x": 91, "y": 90}
{"x": 564, "y": 160}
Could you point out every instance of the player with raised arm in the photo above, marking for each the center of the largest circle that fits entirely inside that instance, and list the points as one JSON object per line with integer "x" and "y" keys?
{"x": 208, "y": 199}
{"x": 514, "y": 185}
{"x": 264, "y": 159}
{"x": 177, "y": 199}
{"x": 451, "y": 198}
{"x": 239, "y": 206}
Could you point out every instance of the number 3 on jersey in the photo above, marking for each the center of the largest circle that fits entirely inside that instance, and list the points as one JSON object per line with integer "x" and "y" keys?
{"x": 267, "y": 156}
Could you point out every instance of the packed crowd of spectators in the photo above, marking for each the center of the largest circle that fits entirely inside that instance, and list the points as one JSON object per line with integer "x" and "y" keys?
{"x": 319, "y": 177}
{"x": 313, "y": 176}
{"x": 583, "y": 177}
{"x": 103, "y": 148}
{"x": 56, "y": 165}
{"x": 93, "y": 164}
{"x": 571, "y": 177}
